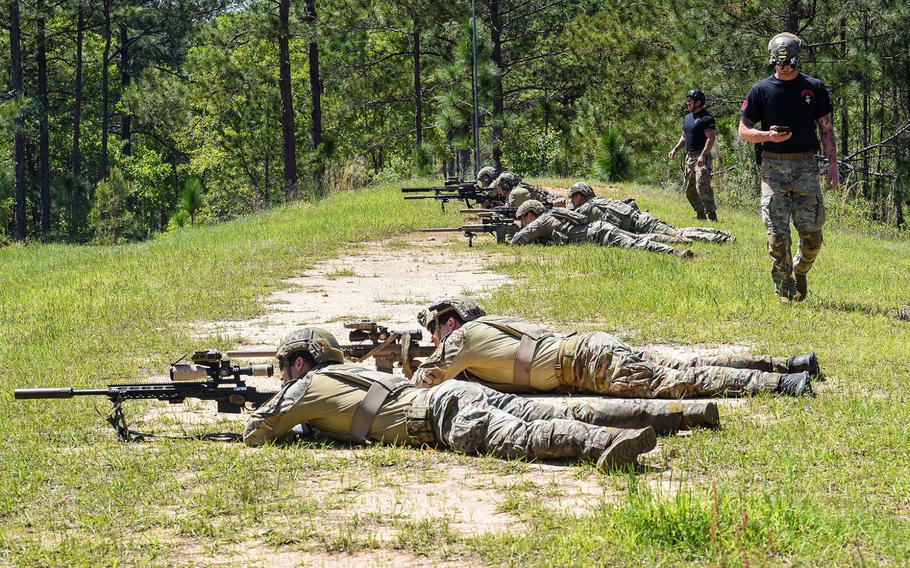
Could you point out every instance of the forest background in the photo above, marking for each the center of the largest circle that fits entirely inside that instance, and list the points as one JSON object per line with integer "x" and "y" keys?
{"x": 122, "y": 119}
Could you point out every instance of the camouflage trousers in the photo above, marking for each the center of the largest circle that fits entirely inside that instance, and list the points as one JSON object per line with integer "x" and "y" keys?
{"x": 609, "y": 235}
{"x": 697, "y": 183}
{"x": 790, "y": 190}
{"x": 647, "y": 223}
{"x": 765, "y": 363}
{"x": 603, "y": 364}
{"x": 472, "y": 418}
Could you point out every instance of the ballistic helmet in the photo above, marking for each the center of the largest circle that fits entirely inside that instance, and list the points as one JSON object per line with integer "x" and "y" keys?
{"x": 319, "y": 343}
{"x": 506, "y": 181}
{"x": 518, "y": 196}
{"x": 531, "y": 205}
{"x": 486, "y": 175}
{"x": 583, "y": 188}
{"x": 466, "y": 308}
{"x": 784, "y": 48}
{"x": 696, "y": 94}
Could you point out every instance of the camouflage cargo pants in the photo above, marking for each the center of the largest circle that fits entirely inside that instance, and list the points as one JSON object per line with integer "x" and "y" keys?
{"x": 603, "y": 364}
{"x": 472, "y": 418}
{"x": 697, "y": 184}
{"x": 647, "y": 223}
{"x": 790, "y": 190}
{"x": 764, "y": 363}
{"x": 609, "y": 235}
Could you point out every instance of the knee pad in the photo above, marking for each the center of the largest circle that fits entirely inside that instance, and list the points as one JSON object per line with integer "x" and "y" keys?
{"x": 811, "y": 241}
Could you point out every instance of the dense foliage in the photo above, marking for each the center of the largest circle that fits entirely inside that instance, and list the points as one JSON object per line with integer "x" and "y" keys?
{"x": 193, "y": 104}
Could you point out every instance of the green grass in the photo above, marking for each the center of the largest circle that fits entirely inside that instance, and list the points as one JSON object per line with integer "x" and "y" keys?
{"x": 819, "y": 481}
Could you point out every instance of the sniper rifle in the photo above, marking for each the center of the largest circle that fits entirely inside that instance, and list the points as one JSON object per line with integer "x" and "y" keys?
{"x": 208, "y": 377}
{"x": 388, "y": 348}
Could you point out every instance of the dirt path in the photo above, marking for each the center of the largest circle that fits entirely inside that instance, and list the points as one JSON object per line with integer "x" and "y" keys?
{"x": 386, "y": 281}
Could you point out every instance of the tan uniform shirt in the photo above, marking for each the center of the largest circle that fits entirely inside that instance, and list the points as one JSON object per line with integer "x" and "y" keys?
{"x": 327, "y": 403}
{"x": 478, "y": 351}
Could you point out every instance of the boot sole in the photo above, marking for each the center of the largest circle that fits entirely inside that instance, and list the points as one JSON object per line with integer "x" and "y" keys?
{"x": 625, "y": 451}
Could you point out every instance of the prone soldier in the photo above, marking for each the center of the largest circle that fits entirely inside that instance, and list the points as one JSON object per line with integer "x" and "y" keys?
{"x": 350, "y": 403}
{"x": 514, "y": 355}
{"x": 628, "y": 217}
{"x": 509, "y": 181}
{"x": 560, "y": 226}
{"x": 485, "y": 176}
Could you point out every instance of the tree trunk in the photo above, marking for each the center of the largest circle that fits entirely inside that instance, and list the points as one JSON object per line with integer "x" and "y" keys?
{"x": 126, "y": 119}
{"x": 19, "y": 137}
{"x": 844, "y": 134}
{"x": 105, "y": 103}
{"x": 418, "y": 94}
{"x": 792, "y": 17}
{"x": 866, "y": 108}
{"x": 316, "y": 98}
{"x": 75, "y": 155}
{"x": 496, "y": 38}
{"x": 289, "y": 143}
{"x": 43, "y": 144}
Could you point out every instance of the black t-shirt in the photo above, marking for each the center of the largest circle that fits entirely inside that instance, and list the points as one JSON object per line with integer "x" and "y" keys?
{"x": 694, "y": 126}
{"x": 797, "y": 103}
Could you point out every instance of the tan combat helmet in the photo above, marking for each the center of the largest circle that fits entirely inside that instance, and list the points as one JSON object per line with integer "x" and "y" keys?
{"x": 506, "y": 182}
{"x": 582, "y": 188}
{"x": 530, "y": 206}
{"x": 486, "y": 176}
{"x": 466, "y": 308}
{"x": 319, "y": 343}
{"x": 518, "y": 196}
{"x": 784, "y": 48}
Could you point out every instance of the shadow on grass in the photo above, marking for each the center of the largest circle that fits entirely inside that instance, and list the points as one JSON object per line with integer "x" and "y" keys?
{"x": 902, "y": 313}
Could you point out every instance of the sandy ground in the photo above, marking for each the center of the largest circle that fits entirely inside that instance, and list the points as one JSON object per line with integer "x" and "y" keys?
{"x": 389, "y": 281}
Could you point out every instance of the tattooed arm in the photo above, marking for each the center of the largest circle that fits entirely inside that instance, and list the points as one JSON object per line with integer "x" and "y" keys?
{"x": 748, "y": 133}
{"x": 826, "y": 128}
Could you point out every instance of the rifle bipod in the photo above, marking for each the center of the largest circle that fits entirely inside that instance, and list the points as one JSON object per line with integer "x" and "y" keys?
{"x": 117, "y": 420}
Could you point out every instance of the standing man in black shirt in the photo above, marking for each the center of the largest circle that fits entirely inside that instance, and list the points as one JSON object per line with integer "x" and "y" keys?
{"x": 698, "y": 136}
{"x": 790, "y": 105}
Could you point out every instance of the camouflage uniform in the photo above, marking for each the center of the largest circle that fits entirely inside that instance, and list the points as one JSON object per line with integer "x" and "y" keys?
{"x": 697, "y": 184}
{"x": 791, "y": 189}
{"x": 465, "y": 417}
{"x": 628, "y": 217}
{"x": 514, "y": 355}
{"x": 561, "y": 226}
{"x": 508, "y": 181}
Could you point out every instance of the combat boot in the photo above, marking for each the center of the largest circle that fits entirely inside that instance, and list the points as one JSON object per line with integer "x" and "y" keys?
{"x": 795, "y": 384}
{"x": 685, "y": 254}
{"x": 800, "y": 363}
{"x": 625, "y": 447}
{"x": 664, "y": 417}
{"x": 801, "y": 287}
{"x": 712, "y": 216}
{"x": 700, "y": 215}
{"x": 700, "y": 415}
{"x": 785, "y": 289}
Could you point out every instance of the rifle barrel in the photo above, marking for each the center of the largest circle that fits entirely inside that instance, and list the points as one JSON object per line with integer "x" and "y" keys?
{"x": 59, "y": 392}
{"x": 244, "y": 353}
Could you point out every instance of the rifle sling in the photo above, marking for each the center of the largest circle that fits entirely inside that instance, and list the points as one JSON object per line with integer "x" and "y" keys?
{"x": 380, "y": 387}
{"x": 523, "y": 359}
{"x": 366, "y": 412}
